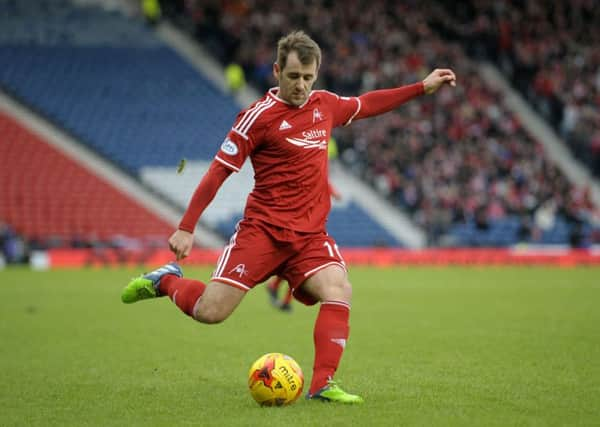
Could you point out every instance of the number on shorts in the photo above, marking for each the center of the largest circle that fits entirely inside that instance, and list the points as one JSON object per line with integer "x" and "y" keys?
{"x": 330, "y": 249}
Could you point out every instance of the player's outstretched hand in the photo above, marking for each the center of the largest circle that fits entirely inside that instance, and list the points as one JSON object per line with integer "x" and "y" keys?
{"x": 437, "y": 78}
{"x": 181, "y": 243}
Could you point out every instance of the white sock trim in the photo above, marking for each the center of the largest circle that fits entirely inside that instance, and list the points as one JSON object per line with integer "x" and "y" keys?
{"x": 335, "y": 302}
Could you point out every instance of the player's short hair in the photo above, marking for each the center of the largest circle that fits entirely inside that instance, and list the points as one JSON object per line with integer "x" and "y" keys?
{"x": 306, "y": 48}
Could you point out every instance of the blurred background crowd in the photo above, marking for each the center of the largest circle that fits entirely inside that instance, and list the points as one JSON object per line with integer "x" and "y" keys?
{"x": 461, "y": 164}
{"x": 460, "y": 155}
{"x": 551, "y": 53}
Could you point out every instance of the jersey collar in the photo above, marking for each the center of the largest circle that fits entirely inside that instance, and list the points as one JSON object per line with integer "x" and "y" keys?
{"x": 275, "y": 90}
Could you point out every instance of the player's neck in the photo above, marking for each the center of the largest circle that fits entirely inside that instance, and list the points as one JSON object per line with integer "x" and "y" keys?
{"x": 274, "y": 93}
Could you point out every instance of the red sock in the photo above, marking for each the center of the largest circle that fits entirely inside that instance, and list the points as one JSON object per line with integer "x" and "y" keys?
{"x": 330, "y": 335}
{"x": 183, "y": 292}
{"x": 287, "y": 299}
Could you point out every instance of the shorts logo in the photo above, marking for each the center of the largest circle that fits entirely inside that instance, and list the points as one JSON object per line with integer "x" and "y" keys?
{"x": 239, "y": 269}
{"x": 229, "y": 147}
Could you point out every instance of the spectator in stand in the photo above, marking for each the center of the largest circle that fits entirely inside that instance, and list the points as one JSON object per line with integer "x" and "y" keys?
{"x": 554, "y": 60}
{"x": 13, "y": 248}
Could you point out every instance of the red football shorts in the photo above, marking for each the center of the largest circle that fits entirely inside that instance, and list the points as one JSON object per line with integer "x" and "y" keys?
{"x": 257, "y": 251}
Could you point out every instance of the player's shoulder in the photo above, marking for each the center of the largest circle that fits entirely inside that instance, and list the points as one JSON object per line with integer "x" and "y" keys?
{"x": 324, "y": 94}
{"x": 262, "y": 104}
{"x": 255, "y": 116}
{"x": 328, "y": 95}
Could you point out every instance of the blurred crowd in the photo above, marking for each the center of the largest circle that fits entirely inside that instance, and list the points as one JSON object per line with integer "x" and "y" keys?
{"x": 459, "y": 155}
{"x": 15, "y": 248}
{"x": 550, "y": 50}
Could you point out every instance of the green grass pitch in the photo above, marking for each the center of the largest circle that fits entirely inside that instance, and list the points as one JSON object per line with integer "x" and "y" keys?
{"x": 428, "y": 346}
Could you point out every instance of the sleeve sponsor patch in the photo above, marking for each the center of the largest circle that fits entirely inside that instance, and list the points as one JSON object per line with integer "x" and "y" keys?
{"x": 229, "y": 147}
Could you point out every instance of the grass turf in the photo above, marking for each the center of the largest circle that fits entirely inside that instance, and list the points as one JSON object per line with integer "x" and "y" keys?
{"x": 428, "y": 346}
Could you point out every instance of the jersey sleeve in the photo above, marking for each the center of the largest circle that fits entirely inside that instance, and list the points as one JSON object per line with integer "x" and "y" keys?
{"x": 242, "y": 138}
{"x": 343, "y": 108}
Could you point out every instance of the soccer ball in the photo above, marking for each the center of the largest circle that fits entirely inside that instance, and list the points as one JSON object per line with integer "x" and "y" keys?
{"x": 275, "y": 379}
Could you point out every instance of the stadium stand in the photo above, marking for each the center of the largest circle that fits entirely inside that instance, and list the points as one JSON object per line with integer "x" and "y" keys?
{"x": 553, "y": 60}
{"x": 461, "y": 163}
{"x": 112, "y": 84}
{"x": 53, "y": 202}
{"x": 108, "y": 81}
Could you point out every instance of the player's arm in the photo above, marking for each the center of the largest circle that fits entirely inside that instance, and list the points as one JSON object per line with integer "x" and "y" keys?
{"x": 381, "y": 101}
{"x": 182, "y": 239}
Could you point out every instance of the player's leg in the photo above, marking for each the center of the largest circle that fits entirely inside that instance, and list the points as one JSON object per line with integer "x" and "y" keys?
{"x": 147, "y": 285}
{"x": 332, "y": 288}
{"x": 217, "y": 302}
{"x": 210, "y": 303}
{"x": 273, "y": 288}
{"x": 286, "y": 302}
{"x": 274, "y": 283}
{"x": 166, "y": 280}
{"x": 319, "y": 275}
{"x": 245, "y": 261}
{"x": 329, "y": 284}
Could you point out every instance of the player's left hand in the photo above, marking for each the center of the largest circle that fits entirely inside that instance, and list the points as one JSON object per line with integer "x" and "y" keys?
{"x": 437, "y": 78}
{"x": 181, "y": 243}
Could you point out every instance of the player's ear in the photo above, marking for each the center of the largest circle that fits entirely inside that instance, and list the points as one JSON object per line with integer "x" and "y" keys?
{"x": 276, "y": 70}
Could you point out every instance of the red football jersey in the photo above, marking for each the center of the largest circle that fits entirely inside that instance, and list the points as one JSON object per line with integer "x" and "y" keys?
{"x": 288, "y": 149}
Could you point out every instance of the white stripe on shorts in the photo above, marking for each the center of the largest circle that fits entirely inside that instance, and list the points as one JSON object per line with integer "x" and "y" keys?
{"x": 314, "y": 270}
{"x": 231, "y": 282}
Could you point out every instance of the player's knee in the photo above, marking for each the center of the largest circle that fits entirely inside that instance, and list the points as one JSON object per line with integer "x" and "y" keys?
{"x": 340, "y": 290}
{"x": 346, "y": 290}
{"x": 217, "y": 303}
{"x": 209, "y": 317}
{"x": 210, "y": 314}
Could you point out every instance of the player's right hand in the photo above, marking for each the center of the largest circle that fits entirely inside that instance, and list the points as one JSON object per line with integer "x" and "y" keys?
{"x": 181, "y": 243}
{"x": 437, "y": 78}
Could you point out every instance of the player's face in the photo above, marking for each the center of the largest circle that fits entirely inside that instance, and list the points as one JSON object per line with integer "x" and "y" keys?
{"x": 295, "y": 79}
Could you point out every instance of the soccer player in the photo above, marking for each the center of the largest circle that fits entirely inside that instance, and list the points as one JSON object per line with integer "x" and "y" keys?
{"x": 273, "y": 286}
{"x": 285, "y": 134}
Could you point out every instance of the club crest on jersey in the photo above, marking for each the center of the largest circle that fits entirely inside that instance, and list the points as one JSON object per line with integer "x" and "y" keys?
{"x": 317, "y": 116}
{"x": 229, "y": 147}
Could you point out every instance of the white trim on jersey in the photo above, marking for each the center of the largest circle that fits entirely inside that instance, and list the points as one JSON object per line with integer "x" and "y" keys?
{"x": 345, "y": 98}
{"x": 271, "y": 92}
{"x": 355, "y": 113}
{"x": 238, "y": 132}
{"x": 321, "y": 267}
{"x": 273, "y": 95}
{"x": 250, "y": 116}
{"x": 229, "y": 165}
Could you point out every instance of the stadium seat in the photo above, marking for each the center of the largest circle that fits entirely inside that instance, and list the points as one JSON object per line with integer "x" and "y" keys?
{"x": 45, "y": 194}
